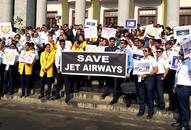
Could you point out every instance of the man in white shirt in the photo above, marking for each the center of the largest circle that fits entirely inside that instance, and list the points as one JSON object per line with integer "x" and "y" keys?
{"x": 183, "y": 90}
{"x": 2, "y": 67}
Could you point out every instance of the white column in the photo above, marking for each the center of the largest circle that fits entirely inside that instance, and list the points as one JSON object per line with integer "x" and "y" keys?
{"x": 172, "y": 16}
{"x": 41, "y": 12}
{"x": 25, "y": 9}
{"x": 6, "y": 8}
{"x": 80, "y": 7}
{"x": 123, "y": 11}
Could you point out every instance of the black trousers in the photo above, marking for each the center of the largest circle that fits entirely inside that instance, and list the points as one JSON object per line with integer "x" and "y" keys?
{"x": 2, "y": 69}
{"x": 43, "y": 81}
{"x": 25, "y": 83}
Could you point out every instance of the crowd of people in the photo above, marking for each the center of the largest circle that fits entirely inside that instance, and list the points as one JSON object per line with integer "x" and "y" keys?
{"x": 48, "y": 42}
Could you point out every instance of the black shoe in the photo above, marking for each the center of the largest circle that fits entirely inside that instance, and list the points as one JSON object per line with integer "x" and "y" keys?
{"x": 160, "y": 108}
{"x": 140, "y": 114}
{"x": 169, "y": 109}
{"x": 22, "y": 95}
{"x": 149, "y": 116}
{"x": 104, "y": 95}
{"x": 113, "y": 101}
{"x": 183, "y": 128}
{"x": 175, "y": 124}
{"x": 67, "y": 99}
{"x": 41, "y": 96}
{"x": 54, "y": 98}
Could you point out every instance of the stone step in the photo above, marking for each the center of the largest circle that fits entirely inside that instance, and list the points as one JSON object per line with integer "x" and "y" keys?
{"x": 86, "y": 104}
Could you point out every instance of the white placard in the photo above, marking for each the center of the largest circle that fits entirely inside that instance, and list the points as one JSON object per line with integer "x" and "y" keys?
{"x": 5, "y": 29}
{"x": 90, "y": 33}
{"x": 26, "y": 57}
{"x": 141, "y": 67}
{"x": 186, "y": 46}
{"x": 131, "y": 24}
{"x": 90, "y": 23}
{"x": 108, "y": 32}
{"x": 182, "y": 31}
{"x": 100, "y": 48}
{"x": 9, "y": 56}
{"x": 153, "y": 32}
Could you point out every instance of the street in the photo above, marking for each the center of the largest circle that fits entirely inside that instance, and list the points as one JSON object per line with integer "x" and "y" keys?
{"x": 18, "y": 116}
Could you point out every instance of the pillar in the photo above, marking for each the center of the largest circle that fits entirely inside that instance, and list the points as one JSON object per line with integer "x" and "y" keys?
{"x": 6, "y": 8}
{"x": 80, "y": 6}
{"x": 41, "y": 12}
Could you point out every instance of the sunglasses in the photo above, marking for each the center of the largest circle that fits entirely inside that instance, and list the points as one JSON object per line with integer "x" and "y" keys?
{"x": 158, "y": 51}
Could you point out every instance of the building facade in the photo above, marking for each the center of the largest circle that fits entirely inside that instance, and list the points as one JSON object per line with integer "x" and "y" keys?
{"x": 166, "y": 12}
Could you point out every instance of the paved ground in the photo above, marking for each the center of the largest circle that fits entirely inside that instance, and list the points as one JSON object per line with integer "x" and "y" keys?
{"x": 18, "y": 116}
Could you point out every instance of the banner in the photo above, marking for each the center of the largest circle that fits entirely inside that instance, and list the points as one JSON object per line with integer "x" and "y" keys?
{"x": 90, "y": 23}
{"x": 90, "y": 33}
{"x": 9, "y": 56}
{"x": 131, "y": 24}
{"x": 108, "y": 32}
{"x": 5, "y": 29}
{"x": 111, "y": 64}
{"x": 174, "y": 62}
{"x": 186, "y": 46}
{"x": 26, "y": 57}
{"x": 182, "y": 31}
{"x": 141, "y": 67}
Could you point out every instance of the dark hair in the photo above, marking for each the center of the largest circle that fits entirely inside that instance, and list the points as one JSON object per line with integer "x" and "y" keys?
{"x": 62, "y": 40}
{"x": 47, "y": 45}
{"x": 112, "y": 38}
{"x": 160, "y": 49}
{"x": 149, "y": 49}
{"x": 3, "y": 42}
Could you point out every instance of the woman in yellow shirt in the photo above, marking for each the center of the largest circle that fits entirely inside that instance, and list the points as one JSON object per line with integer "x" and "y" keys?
{"x": 25, "y": 70}
{"x": 46, "y": 71}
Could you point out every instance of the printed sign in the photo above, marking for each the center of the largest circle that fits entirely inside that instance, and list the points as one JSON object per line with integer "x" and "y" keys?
{"x": 90, "y": 23}
{"x": 5, "y": 29}
{"x": 174, "y": 62}
{"x": 131, "y": 24}
{"x": 108, "y": 32}
{"x": 182, "y": 31}
{"x": 9, "y": 56}
{"x": 26, "y": 57}
{"x": 94, "y": 64}
{"x": 186, "y": 46}
{"x": 90, "y": 33}
{"x": 141, "y": 67}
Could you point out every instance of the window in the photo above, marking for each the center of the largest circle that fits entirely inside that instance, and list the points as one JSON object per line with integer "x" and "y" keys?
{"x": 73, "y": 16}
{"x": 110, "y": 17}
{"x": 51, "y": 18}
{"x": 147, "y": 16}
{"x": 185, "y": 16}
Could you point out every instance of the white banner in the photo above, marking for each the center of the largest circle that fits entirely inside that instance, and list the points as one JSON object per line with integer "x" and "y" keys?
{"x": 9, "y": 56}
{"x": 26, "y": 57}
{"x": 108, "y": 32}
{"x": 141, "y": 67}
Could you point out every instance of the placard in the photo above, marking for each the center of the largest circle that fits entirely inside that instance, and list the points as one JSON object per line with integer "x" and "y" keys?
{"x": 186, "y": 46}
{"x": 141, "y": 67}
{"x": 108, "y": 32}
{"x": 26, "y": 57}
{"x": 90, "y": 33}
{"x": 5, "y": 29}
{"x": 131, "y": 24}
{"x": 90, "y": 23}
{"x": 182, "y": 31}
{"x": 174, "y": 62}
{"x": 9, "y": 56}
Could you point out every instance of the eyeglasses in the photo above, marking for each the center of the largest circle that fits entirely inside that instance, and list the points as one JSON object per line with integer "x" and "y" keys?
{"x": 158, "y": 51}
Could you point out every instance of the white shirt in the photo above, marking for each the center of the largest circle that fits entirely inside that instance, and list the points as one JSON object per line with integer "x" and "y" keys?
{"x": 162, "y": 65}
{"x": 183, "y": 73}
{"x": 58, "y": 57}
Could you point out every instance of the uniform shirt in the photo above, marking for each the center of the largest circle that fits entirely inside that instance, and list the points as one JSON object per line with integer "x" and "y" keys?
{"x": 183, "y": 73}
{"x": 162, "y": 65}
{"x": 151, "y": 60}
{"x": 168, "y": 54}
{"x": 58, "y": 57}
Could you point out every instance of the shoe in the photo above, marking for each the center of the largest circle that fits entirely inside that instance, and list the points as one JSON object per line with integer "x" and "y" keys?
{"x": 140, "y": 114}
{"x": 113, "y": 101}
{"x": 183, "y": 128}
{"x": 47, "y": 97}
{"x": 104, "y": 95}
{"x": 67, "y": 99}
{"x": 160, "y": 108}
{"x": 175, "y": 124}
{"x": 54, "y": 98}
{"x": 149, "y": 116}
{"x": 22, "y": 95}
{"x": 169, "y": 109}
{"x": 41, "y": 96}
